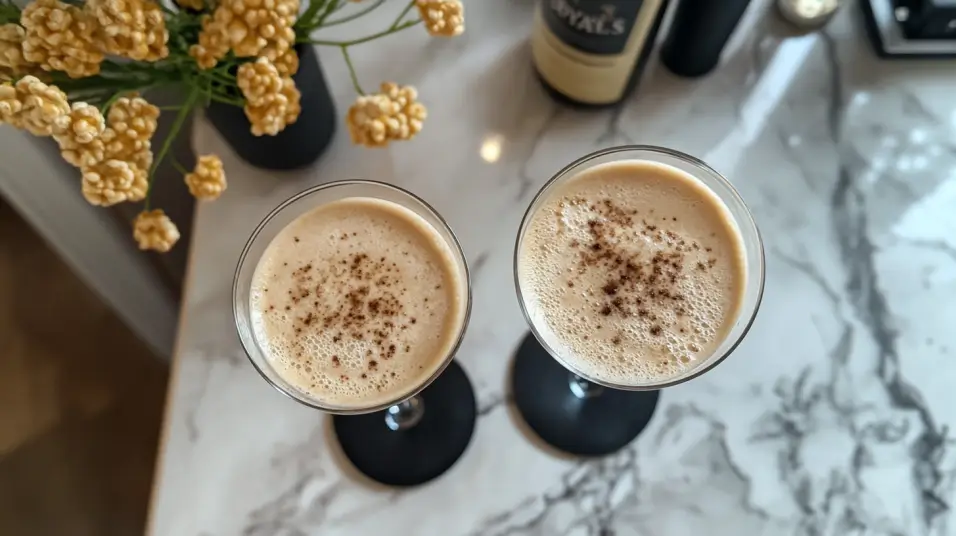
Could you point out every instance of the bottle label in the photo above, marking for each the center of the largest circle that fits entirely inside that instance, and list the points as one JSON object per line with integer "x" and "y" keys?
{"x": 587, "y": 49}
{"x": 592, "y": 26}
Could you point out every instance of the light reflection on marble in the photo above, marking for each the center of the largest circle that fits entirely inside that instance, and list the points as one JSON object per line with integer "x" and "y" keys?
{"x": 832, "y": 418}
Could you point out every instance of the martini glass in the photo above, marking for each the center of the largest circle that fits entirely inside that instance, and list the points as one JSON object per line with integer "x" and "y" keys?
{"x": 422, "y": 432}
{"x": 582, "y": 415}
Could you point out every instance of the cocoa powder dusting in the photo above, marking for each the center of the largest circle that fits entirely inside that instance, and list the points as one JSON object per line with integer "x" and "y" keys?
{"x": 370, "y": 311}
{"x": 635, "y": 282}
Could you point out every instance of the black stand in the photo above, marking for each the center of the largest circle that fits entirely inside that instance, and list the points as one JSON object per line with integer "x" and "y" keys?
{"x": 594, "y": 425}
{"x": 422, "y": 452}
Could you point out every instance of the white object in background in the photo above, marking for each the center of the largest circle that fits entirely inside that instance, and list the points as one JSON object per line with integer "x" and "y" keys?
{"x": 87, "y": 239}
{"x": 808, "y": 14}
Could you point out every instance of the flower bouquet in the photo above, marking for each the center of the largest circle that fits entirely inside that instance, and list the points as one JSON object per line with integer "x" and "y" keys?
{"x": 75, "y": 71}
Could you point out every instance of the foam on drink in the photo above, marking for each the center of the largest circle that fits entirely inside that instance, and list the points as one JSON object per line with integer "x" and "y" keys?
{"x": 632, "y": 272}
{"x": 357, "y": 302}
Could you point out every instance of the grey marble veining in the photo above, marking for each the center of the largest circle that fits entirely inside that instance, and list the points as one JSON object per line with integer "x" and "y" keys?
{"x": 832, "y": 418}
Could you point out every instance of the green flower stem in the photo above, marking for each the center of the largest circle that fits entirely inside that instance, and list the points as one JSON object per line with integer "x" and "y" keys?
{"x": 105, "y": 108}
{"x": 179, "y": 167}
{"x": 331, "y": 7}
{"x": 99, "y": 83}
{"x": 314, "y": 7}
{"x": 352, "y": 74}
{"x": 168, "y": 142}
{"x": 383, "y": 33}
{"x": 226, "y": 100}
{"x": 9, "y": 13}
{"x": 218, "y": 77}
{"x": 353, "y": 16}
{"x": 401, "y": 15}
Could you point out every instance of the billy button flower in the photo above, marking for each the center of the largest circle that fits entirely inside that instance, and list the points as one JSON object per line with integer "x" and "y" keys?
{"x": 80, "y": 143}
{"x": 443, "y": 18}
{"x": 286, "y": 60}
{"x": 113, "y": 181}
{"x": 11, "y": 50}
{"x": 251, "y": 25}
{"x": 132, "y": 122}
{"x": 133, "y": 29}
{"x": 213, "y": 43}
{"x": 248, "y": 28}
{"x": 208, "y": 179}
{"x": 272, "y": 101}
{"x": 153, "y": 230}
{"x": 30, "y": 104}
{"x": 392, "y": 115}
{"x": 258, "y": 80}
{"x": 60, "y": 37}
{"x": 121, "y": 175}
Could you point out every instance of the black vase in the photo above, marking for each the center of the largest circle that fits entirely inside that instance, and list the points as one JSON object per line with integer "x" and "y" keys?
{"x": 299, "y": 144}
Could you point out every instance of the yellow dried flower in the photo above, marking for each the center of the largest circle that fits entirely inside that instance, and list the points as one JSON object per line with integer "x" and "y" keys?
{"x": 115, "y": 164}
{"x": 85, "y": 155}
{"x": 442, "y": 18}
{"x": 411, "y": 115}
{"x": 249, "y": 28}
{"x": 80, "y": 143}
{"x": 213, "y": 43}
{"x": 10, "y": 105}
{"x": 208, "y": 180}
{"x": 86, "y": 123}
{"x": 132, "y": 122}
{"x": 287, "y": 11}
{"x": 392, "y": 115}
{"x": 34, "y": 106}
{"x": 251, "y": 25}
{"x": 154, "y": 230}
{"x": 133, "y": 29}
{"x": 366, "y": 120}
{"x": 274, "y": 112}
{"x": 258, "y": 80}
{"x": 113, "y": 181}
{"x": 11, "y": 47}
{"x": 272, "y": 102}
{"x": 59, "y": 37}
{"x": 195, "y": 5}
{"x": 267, "y": 118}
{"x": 293, "y": 101}
{"x": 284, "y": 58}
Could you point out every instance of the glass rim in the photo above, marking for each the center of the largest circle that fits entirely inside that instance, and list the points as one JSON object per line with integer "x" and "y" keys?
{"x": 694, "y": 161}
{"x": 456, "y": 250}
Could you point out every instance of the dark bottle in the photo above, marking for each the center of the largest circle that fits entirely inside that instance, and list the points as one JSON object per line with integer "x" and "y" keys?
{"x": 698, "y": 33}
{"x": 592, "y": 52}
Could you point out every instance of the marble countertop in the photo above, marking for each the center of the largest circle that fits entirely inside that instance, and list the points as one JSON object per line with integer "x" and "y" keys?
{"x": 831, "y": 418}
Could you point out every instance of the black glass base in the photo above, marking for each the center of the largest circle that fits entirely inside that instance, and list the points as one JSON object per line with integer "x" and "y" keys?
{"x": 589, "y": 426}
{"x": 419, "y": 454}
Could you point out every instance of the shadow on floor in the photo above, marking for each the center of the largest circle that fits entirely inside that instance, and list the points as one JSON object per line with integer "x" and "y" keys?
{"x": 81, "y": 400}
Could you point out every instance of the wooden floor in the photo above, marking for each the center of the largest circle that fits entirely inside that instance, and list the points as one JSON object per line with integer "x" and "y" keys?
{"x": 80, "y": 400}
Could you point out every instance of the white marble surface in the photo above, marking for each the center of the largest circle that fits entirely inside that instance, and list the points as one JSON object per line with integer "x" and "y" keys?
{"x": 832, "y": 418}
